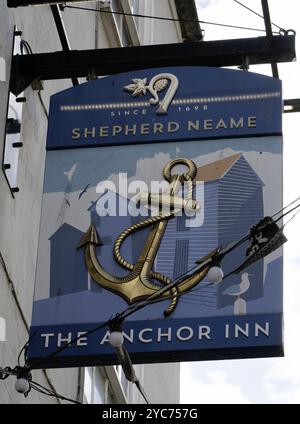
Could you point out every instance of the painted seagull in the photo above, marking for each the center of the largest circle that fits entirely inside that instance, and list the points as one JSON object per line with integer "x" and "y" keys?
{"x": 84, "y": 190}
{"x": 239, "y": 289}
{"x": 71, "y": 172}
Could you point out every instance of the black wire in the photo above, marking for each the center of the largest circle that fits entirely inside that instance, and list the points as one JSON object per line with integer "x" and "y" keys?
{"x": 25, "y": 45}
{"x": 41, "y": 389}
{"x": 285, "y": 207}
{"x": 56, "y": 352}
{"x": 225, "y": 276}
{"x": 21, "y": 351}
{"x": 257, "y": 14}
{"x": 209, "y": 297}
{"x": 288, "y": 212}
{"x": 126, "y": 312}
{"x": 142, "y": 391}
{"x": 291, "y": 218}
{"x": 43, "y": 104}
{"x": 134, "y": 308}
{"x": 24, "y": 349}
{"x": 195, "y": 21}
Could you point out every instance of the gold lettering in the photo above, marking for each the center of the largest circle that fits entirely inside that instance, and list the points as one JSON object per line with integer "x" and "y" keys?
{"x": 103, "y": 131}
{"x": 173, "y": 127}
{"x": 221, "y": 124}
{"x": 238, "y": 124}
{"x": 75, "y": 133}
{"x": 145, "y": 129}
{"x": 194, "y": 125}
{"x": 252, "y": 122}
{"x": 89, "y": 132}
{"x": 158, "y": 127}
{"x": 116, "y": 129}
{"x": 130, "y": 130}
{"x": 208, "y": 124}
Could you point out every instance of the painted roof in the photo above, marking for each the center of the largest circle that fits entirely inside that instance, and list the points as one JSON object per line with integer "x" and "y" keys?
{"x": 63, "y": 229}
{"x": 215, "y": 170}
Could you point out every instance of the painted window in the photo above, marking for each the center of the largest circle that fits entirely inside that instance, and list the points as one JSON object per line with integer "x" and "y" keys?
{"x": 181, "y": 223}
{"x": 181, "y": 258}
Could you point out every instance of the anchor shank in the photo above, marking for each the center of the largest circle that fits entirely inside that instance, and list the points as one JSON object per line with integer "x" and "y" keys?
{"x": 151, "y": 247}
{"x": 152, "y": 244}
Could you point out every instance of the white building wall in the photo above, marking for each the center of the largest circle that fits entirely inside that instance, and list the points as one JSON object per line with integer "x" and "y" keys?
{"x": 20, "y": 216}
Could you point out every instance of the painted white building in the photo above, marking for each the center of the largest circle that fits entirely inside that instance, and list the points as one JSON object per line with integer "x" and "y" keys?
{"x": 20, "y": 210}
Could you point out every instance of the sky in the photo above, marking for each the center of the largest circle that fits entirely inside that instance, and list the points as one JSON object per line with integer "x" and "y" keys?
{"x": 271, "y": 380}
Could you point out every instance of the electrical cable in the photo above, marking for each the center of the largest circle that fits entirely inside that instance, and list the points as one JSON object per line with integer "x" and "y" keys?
{"x": 258, "y": 14}
{"x": 119, "y": 316}
{"x": 197, "y": 302}
{"x": 24, "y": 349}
{"x": 41, "y": 389}
{"x": 285, "y": 207}
{"x": 286, "y": 213}
{"x": 24, "y": 45}
{"x": 43, "y": 104}
{"x": 56, "y": 352}
{"x": 293, "y": 216}
{"x": 142, "y": 391}
{"x": 134, "y": 308}
{"x": 22, "y": 372}
{"x": 195, "y": 21}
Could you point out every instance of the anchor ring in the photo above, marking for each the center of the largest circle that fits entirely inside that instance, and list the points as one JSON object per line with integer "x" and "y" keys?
{"x": 190, "y": 175}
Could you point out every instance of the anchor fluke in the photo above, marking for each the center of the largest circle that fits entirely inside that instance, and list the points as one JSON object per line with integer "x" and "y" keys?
{"x": 90, "y": 237}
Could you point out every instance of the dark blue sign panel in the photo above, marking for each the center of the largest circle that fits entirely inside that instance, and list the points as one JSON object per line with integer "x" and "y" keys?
{"x": 215, "y": 338}
{"x": 117, "y": 225}
{"x": 157, "y": 105}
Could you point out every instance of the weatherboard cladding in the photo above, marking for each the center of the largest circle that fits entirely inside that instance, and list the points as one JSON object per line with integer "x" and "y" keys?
{"x": 233, "y": 202}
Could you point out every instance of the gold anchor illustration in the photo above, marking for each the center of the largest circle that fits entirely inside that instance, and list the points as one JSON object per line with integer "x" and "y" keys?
{"x": 140, "y": 283}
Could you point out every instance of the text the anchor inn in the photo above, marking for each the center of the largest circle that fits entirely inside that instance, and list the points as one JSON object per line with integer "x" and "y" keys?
{"x": 149, "y": 335}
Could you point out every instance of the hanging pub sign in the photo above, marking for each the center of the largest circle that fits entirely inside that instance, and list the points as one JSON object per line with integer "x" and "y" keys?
{"x": 147, "y": 174}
